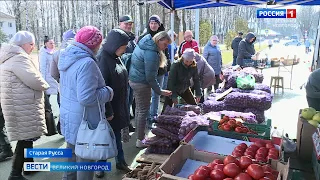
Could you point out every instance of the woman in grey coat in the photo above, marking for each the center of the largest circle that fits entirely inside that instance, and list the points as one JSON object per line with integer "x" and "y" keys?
{"x": 212, "y": 54}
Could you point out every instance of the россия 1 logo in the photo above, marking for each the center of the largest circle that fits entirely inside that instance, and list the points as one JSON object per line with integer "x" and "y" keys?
{"x": 276, "y": 13}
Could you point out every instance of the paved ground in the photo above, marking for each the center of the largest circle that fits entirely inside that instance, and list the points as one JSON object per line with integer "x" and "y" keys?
{"x": 284, "y": 113}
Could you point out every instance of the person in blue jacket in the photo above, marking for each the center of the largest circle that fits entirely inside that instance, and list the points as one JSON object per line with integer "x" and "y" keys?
{"x": 82, "y": 86}
{"x": 212, "y": 54}
{"x": 307, "y": 44}
{"x": 147, "y": 58}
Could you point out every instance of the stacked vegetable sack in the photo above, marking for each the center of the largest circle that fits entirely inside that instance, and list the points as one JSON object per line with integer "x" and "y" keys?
{"x": 172, "y": 126}
{"x": 256, "y": 100}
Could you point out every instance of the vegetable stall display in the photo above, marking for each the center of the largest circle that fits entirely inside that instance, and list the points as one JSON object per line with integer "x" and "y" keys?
{"x": 242, "y": 168}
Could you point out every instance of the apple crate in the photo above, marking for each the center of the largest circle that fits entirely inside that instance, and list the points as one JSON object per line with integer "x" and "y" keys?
{"x": 262, "y": 130}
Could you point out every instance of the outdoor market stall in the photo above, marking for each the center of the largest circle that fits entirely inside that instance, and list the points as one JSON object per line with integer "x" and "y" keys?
{"x": 185, "y": 132}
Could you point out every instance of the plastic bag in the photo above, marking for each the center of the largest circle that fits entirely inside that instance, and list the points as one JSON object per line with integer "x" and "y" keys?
{"x": 246, "y": 82}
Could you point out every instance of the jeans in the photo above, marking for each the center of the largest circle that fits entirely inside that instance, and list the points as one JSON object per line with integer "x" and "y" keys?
{"x": 165, "y": 81}
{"x": 130, "y": 98}
{"x": 234, "y": 62}
{"x": 77, "y": 175}
{"x": 120, "y": 156}
{"x": 142, "y": 95}
{"x": 155, "y": 99}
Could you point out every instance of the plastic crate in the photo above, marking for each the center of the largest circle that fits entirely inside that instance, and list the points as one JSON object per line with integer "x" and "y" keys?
{"x": 259, "y": 128}
{"x": 262, "y": 130}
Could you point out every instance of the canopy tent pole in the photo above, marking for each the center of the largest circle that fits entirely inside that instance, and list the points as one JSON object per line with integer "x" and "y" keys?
{"x": 172, "y": 35}
{"x": 197, "y": 25}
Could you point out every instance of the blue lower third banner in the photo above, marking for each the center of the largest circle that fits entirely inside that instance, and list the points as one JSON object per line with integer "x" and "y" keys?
{"x": 67, "y": 166}
{"x": 47, "y": 153}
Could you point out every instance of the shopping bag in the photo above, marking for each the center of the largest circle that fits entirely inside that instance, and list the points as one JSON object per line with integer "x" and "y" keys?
{"x": 246, "y": 82}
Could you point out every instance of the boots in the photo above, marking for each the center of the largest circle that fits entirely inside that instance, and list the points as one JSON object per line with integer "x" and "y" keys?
{"x": 28, "y": 172}
{"x": 6, "y": 152}
{"x": 16, "y": 175}
{"x": 122, "y": 165}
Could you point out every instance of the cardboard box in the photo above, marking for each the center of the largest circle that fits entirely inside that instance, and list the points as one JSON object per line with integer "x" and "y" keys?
{"x": 177, "y": 159}
{"x": 304, "y": 139}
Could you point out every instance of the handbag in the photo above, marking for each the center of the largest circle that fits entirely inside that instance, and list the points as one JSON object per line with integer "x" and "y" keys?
{"x": 95, "y": 144}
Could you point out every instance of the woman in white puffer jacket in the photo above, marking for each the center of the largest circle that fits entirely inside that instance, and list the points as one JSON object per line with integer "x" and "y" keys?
{"x": 46, "y": 58}
{"x": 22, "y": 97}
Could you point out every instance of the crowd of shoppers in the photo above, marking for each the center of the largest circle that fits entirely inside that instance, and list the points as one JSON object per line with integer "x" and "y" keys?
{"x": 121, "y": 74}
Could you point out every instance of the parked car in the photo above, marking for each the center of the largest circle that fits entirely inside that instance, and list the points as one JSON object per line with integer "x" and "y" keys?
{"x": 276, "y": 40}
{"x": 287, "y": 38}
{"x": 293, "y": 43}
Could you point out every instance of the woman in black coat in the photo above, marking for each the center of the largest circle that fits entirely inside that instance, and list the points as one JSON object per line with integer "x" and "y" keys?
{"x": 116, "y": 76}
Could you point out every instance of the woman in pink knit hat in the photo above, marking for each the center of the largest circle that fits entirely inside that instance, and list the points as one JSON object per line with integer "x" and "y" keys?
{"x": 82, "y": 86}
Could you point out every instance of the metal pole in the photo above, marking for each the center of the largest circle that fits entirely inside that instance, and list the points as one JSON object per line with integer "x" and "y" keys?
{"x": 172, "y": 35}
{"x": 197, "y": 25}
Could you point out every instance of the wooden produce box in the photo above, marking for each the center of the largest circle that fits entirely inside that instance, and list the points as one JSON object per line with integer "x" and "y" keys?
{"x": 174, "y": 164}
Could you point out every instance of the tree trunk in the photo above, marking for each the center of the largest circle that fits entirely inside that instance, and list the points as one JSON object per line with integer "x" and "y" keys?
{"x": 47, "y": 12}
{"x": 61, "y": 19}
{"x": 176, "y": 22}
{"x": 43, "y": 23}
{"x": 147, "y": 14}
{"x": 17, "y": 14}
{"x": 141, "y": 19}
{"x": 190, "y": 19}
{"x": 116, "y": 12}
{"x": 73, "y": 15}
{"x": 164, "y": 15}
{"x": 184, "y": 25}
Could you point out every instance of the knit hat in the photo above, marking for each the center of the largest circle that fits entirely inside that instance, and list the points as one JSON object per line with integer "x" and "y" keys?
{"x": 214, "y": 38}
{"x": 68, "y": 34}
{"x": 189, "y": 54}
{"x": 155, "y": 18}
{"x": 22, "y": 37}
{"x": 89, "y": 36}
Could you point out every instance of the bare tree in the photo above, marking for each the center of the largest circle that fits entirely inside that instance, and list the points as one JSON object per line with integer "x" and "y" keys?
{"x": 141, "y": 19}
{"x": 116, "y": 12}
{"x": 61, "y": 15}
{"x": 305, "y": 18}
{"x": 17, "y": 14}
{"x": 147, "y": 13}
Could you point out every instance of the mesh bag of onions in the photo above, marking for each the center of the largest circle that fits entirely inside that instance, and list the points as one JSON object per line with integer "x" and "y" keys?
{"x": 248, "y": 100}
{"x": 260, "y": 117}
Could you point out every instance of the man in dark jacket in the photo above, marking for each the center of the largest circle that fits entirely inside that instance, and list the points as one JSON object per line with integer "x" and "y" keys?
{"x": 246, "y": 48}
{"x": 153, "y": 28}
{"x": 5, "y": 147}
{"x": 313, "y": 90}
{"x": 125, "y": 24}
{"x": 116, "y": 76}
{"x": 182, "y": 71}
{"x": 235, "y": 46}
